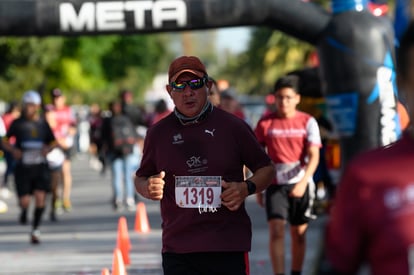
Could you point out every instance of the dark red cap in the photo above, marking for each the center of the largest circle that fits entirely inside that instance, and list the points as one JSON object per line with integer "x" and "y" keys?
{"x": 190, "y": 64}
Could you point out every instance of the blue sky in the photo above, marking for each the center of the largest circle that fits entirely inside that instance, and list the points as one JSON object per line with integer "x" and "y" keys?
{"x": 235, "y": 38}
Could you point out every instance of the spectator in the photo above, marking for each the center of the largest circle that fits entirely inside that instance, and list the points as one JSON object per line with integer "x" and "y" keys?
{"x": 134, "y": 112}
{"x": 118, "y": 141}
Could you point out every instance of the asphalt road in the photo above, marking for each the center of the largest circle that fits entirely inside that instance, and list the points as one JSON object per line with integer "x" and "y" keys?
{"x": 82, "y": 241}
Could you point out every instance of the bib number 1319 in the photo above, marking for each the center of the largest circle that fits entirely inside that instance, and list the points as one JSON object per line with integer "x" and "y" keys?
{"x": 193, "y": 192}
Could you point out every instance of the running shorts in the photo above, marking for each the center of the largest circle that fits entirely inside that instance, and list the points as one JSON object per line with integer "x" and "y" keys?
{"x": 29, "y": 178}
{"x": 297, "y": 211}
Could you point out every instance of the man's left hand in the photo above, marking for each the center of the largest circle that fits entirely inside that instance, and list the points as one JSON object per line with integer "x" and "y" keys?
{"x": 299, "y": 189}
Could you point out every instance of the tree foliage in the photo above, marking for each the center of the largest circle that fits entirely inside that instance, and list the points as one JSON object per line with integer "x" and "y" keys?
{"x": 89, "y": 69}
{"x": 269, "y": 55}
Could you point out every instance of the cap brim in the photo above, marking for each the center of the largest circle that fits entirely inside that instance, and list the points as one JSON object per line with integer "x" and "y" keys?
{"x": 194, "y": 72}
{"x": 32, "y": 102}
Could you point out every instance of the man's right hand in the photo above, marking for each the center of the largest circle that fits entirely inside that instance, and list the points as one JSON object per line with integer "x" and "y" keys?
{"x": 156, "y": 186}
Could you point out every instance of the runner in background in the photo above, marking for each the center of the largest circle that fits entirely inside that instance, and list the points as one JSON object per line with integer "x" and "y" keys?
{"x": 3, "y": 205}
{"x": 230, "y": 103}
{"x": 292, "y": 140}
{"x": 95, "y": 120}
{"x": 160, "y": 111}
{"x": 214, "y": 95}
{"x": 12, "y": 112}
{"x": 34, "y": 140}
{"x": 63, "y": 122}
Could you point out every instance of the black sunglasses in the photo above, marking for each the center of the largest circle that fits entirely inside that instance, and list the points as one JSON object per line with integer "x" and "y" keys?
{"x": 194, "y": 84}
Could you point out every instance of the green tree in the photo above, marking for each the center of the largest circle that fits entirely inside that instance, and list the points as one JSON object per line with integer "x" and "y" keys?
{"x": 90, "y": 69}
{"x": 269, "y": 55}
{"x": 24, "y": 63}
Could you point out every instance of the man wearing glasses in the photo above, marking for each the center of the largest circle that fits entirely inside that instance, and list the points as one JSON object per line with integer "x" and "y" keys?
{"x": 292, "y": 140}
{"x": 193, "y": 163}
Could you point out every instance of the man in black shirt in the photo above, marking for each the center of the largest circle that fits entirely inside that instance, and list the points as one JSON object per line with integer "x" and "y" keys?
{"x": 34, "y": 139}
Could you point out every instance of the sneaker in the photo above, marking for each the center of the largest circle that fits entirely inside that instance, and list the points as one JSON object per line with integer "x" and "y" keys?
{"x": 5, "y": 193}
{"x": 57, "y": 204}
{"x": 35, "y": 237}
{"x": 130, "y": 204}
{"x": 58, "y": 208}
{"x": 3, "y": 207}
{"x": 118, "y": 205}
{"x": 67, "y": 206}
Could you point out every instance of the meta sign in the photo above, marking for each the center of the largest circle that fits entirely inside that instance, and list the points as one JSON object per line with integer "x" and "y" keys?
{"x": 121, "y": 15}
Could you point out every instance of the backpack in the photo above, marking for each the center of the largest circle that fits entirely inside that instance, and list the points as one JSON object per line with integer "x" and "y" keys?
{"x": 124, "y": 136}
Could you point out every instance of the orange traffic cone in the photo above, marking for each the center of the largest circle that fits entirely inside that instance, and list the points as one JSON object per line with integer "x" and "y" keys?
{"x": 122, "y": 242}
{"x": 141, "y": 219}
{"x": 105, "y": 271}
{"x": 118, "y": 266}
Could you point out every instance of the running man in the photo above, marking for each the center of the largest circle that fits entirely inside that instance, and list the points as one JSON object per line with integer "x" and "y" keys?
{"x": 193, "y": 163}
{"x": 33, "y": 140}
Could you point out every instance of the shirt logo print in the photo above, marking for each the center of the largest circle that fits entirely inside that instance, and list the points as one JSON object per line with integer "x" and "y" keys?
{"x": 194, "y": 162}
{"x": 210, "y": 132}
{"x": 178, "y": 139}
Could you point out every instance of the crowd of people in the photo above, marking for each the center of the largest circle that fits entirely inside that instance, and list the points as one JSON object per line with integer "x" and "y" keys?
{"x": 201, "y": 161}
{"x": 39, "y": 140}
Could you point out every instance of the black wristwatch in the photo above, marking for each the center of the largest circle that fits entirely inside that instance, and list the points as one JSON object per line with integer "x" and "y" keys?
{"x": 251, "y": 187}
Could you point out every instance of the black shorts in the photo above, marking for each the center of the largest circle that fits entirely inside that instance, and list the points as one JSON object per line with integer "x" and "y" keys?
{"x": 205, "y": 263}
{"x": 279, "y": 205}
{"x": 69, "y": 153}
{"x": 29, "y": 178}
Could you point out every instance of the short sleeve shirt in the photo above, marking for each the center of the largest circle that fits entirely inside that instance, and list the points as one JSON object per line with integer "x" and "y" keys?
{"x": 287, "y": 140}
{"x": 373, "y": 214}
{"x": 220, "y": 145}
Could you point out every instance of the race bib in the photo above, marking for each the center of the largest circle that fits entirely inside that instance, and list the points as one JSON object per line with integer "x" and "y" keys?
{"x": 30, "y": 157}
{"x": 289, "y": 172}
{"x": 198, "y": 191}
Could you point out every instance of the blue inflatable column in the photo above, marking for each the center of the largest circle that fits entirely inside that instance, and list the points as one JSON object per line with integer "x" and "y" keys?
{"x": 358, "y": 77}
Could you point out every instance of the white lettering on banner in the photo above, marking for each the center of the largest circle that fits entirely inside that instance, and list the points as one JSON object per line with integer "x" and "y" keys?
{"x": 388, "y": 106}
{"x": 77, "y": 22}
{"x": 110, "y": 16}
